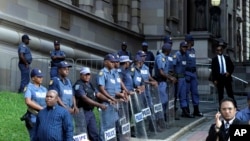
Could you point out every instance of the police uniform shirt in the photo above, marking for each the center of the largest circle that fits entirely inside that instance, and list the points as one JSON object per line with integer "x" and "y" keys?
{"x": 150, "y": 57}
{"x": 170, "y": 63}
{"x": 145, "y": 72}
{"x": 137, "y": 77}
{"x": 57, "y": 53}
{"x": 36, "y": 94}
{"x": 180, "y": 61}
{"x": 106, "y": 78}
{"x": 25, "y": 50}
{"x": 126, "y": 77}
{"x": 79, "y": 90}
{"x": 122, "y": 53}
{"x": 64, "y": 90}
{"x": 118, "y": 87}
{"x": 161, "y": 62}
{"x": 191, "y": 59}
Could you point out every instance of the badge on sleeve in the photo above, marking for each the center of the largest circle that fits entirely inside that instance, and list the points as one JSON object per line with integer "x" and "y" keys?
{"x": 77, "y": 87}
{"x": 25, "y": 89}
{"x": 174, "y": 56}
{"x": 132, "y": 69}
{"x": 100, "y": 73}
{"x": 163, "y": 59}
{"x": 50, "y": 82}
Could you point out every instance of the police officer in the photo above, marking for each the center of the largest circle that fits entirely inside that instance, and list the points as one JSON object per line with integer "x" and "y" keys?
{"x": 25, "y": 59}
{"x": 161, "y": 74}
{"x": 124, "y": 51}
{"x": 191, "y": 76}
{"x": 107, "y": 85}
{"x": 56, "y": 57}
{"x": 64, "y": 88}
{"x": 34, "y": 95}
{"x": 167, "y": 39}
{"x": 86, "y": 95}
{"x": 150, "y": 58}
{"x": 180, "y": 61}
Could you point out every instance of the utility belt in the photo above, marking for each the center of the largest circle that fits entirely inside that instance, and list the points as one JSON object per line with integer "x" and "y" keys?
{"x": 88, "y": 108}
{"x": 193, "y": 69}
{"x": 161, "y": 79}
{"x": 27, "y": 118}
{"x": 180, "y": 75}
{"x": 21, "y": 62}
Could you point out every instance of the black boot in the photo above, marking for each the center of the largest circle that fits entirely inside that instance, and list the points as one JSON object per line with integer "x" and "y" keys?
{"x": 197, "y": 111}
{"x": 185, "y": 113}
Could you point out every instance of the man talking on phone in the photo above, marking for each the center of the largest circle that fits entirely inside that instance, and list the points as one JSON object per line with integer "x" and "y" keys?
{"x": 223, "y": 119}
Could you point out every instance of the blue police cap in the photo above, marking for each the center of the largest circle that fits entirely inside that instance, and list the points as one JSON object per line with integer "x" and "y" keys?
{"x": 189, "y": 37}
{"x": 168, "y": 39}
{"x": 141, "y": 53}
{"x": 25, "y": 36}
{"x": 64, "y": 64}
{"x": 117, "y": 57}
{"x": 56, "y": 42}
{"x": 138, "y": 58}
{"x": 144, "y": 44}
{"x": 166, "y": 46}
{"x": 124, "y": 44}
{"x": 110, "y": 57}
{"x": 183, "y": 44}
{"x": 125, "y": 58}
{"x": 36, "y": 72}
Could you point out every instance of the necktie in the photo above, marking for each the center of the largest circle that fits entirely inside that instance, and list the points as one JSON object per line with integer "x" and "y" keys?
{"x": 227, "y": 126}
{"x": 222, "y": 65}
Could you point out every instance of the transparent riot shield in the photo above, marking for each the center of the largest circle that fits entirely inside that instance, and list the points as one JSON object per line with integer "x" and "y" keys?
{"x": 80, "y": 130}
{"x": 157, "y": 107}
{"x": 147, "y": 110}
{"x": 123, "y": 122}
{"x": 108, "y": 119}
{"x": 138, "y": 128}
{"x": 171, "y": 105}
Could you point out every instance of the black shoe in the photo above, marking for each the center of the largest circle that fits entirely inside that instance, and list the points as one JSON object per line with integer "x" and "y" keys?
{"x": 185, "y": 113}
{"x": 199, "y": 114}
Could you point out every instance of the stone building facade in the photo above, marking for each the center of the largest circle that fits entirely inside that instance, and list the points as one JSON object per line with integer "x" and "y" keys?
{"x": 92, "y": 28}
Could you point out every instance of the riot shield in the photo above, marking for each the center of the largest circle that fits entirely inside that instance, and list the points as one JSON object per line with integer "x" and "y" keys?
{"x": 138, "y": 128}
{"x": 147, "y": 110}
{"x": 80, "y": 130}
{"x": 157, "y": 107}
{"x": 108, "y": 120}
{"x": 123, "y": 122}
{"x": 171, "y": 105}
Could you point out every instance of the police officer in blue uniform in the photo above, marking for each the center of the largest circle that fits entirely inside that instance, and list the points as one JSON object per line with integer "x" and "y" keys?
{"x": 161, "y": 74}
{"x": 106, "y": 82}
{"x": 57, "y": 56}
{"x": 167, "y": 39}
{"x": 180, "y": 62}
{"x": 150, "y": 58}
{"x": 34, "y": 95}
{"x": 124, "y": 51}
{"x": 64, "y": 88}
{"x": 25, "y": 59}
{"x": 86, "y": 96}
{"x": 191, "y": 76}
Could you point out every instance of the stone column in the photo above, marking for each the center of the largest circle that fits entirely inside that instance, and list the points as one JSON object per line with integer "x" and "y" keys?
{"x": 104, "y": 9}
{"x": 67, "y": 1}
{"x": 135, "y": 15}
{"x": 86, "y": 5}
{"x": 123, "y": 16}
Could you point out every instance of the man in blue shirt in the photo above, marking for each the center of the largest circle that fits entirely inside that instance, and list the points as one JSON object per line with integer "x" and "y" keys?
{"x": 123, "y": 50}
{"x": 86, "y": 95}
{"x": 180, "y": 61}
{"x": 167, "y": 39}
{"x": 191, "y": 76}
{"x": 25, "y": 59}
{"x": 34, "y": 95}
{"x": 56, "y": 57}
{"x": 244, "y": 114}
{"x": 53, "y": 122}
{"x": 150, "y": 58}
{"x": 64, "y": 88}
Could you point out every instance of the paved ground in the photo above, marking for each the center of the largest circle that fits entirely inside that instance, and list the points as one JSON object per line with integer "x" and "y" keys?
{"x": 191, "y": 129}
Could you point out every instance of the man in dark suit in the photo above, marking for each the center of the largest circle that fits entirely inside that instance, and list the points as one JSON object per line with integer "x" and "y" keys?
{"x": 219, "y": 131}
{"x": 222, "y": 69}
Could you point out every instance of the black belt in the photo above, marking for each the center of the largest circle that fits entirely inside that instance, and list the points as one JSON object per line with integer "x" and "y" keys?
{"x": 20, "y": 62}
{"x": 180, "y": 75}
{"x": 191, "y": 69}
